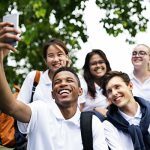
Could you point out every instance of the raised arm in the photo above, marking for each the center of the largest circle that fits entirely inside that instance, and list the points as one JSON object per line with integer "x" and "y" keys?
{"x": 8, "y": 103}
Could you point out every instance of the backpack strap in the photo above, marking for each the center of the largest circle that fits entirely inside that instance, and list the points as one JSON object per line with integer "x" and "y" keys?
{"x": 35, "y": 83}
{"x": 86, "y": 130}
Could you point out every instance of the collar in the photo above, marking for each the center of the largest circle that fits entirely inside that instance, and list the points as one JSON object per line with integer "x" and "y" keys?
{"x": 46, "y": 78}
{"x": 75, "y": 119}
{"x": 138, "y": 114}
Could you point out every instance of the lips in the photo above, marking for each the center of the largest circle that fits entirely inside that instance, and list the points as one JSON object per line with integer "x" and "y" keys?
{"x": 117, "y": 99}
{"x": 56, "y": 65}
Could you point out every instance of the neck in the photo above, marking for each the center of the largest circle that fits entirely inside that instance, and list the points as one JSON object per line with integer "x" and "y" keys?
{"x": 130, "y": 109}
{"x": 50, "y": 73}
{"x": 68, "y": 112}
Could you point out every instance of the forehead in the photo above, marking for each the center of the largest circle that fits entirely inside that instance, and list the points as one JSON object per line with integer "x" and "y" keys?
{"x": 55, "y": 49}
{"x": 141, "y": 47}
{"x": 114, "y": 81}
{"x": 96, "y": 57}
{"x": 65, "y": 74}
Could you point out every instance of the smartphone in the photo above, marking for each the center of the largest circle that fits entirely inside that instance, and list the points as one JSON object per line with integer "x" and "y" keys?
{"x": 13, "y": 18}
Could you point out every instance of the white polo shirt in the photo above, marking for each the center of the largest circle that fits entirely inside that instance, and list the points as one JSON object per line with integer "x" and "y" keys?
{"x": 44, "y": 88}
{"x": 48, "y": 130}
{"x": 26, "y": 88}
{"x": 118, "y": 140}
{"x": 141, "y": 89}
{"x": 89, "y": 102}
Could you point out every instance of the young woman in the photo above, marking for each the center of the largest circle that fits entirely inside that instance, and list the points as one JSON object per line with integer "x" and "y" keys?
{"x": 95, "y": 67}
{"x": 55, "y": 55}
{"x": 140, "y": 77}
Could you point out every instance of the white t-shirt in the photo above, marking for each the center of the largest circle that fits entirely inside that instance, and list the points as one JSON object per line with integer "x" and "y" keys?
{"x": 89, "y": 102}
{"x": 141, "y": 89}
{"x": 118, "y": 140}
{"x": 48, "y": 130}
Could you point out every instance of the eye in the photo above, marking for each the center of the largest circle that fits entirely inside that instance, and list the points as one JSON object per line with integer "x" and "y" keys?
{"x": 142, "y": 53}
{"x": 134, "y": 53}
{"x": 56, "y": 82}
{"x": 117, "y": 86}
{"x": 70, "y": 80}
{"x": 50, "y": 55}
{"x": 60, "y": 54}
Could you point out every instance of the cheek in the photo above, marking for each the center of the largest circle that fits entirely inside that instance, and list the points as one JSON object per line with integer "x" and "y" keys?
{"x": 48, "y": 60}
{"x": 91, "y": 70}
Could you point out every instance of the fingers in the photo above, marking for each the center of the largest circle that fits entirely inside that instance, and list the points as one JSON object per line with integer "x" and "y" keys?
{"x": 3, "y": 24}
{"x": 8, "y": 33}
{"x": 8, "y": 29}
{"x": 7, "y": 46}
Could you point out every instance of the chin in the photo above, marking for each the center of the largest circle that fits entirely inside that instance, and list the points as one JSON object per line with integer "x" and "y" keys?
{"x": 64, "y": 104}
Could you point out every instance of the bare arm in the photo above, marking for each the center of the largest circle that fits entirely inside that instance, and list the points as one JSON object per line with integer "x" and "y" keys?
{"x": 8, "y": 103}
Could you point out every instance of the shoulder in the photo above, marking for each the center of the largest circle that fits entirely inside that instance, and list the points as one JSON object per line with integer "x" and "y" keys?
{"x": 97, "y": 125}
{"x": 109, "y": 127}
{"x": 39, "y": 105}
{"x": 30, "y": 75}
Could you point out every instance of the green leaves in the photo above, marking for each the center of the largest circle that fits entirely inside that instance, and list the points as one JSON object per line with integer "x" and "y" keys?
{"x": 67, "y": 24}
{"x": 123, "y": 15}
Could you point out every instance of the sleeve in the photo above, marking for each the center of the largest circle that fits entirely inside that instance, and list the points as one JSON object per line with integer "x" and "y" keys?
{"x": 26, "y": 88}
{"x": 99, "y": 140}
{"x": 82, "y": 98}
{"x": 26, "y": 128}
{"x": 112, "y": 136}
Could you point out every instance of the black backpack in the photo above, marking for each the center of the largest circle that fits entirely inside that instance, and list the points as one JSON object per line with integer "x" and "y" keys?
{"x": 86, "y": 128}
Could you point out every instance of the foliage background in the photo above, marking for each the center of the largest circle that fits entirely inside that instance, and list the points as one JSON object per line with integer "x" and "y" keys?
{"x": 43, "y": 19}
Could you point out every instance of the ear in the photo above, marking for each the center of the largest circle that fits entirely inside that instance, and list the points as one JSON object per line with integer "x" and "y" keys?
{"x": 80, "y": 91}
{"x": 130, "y": 85}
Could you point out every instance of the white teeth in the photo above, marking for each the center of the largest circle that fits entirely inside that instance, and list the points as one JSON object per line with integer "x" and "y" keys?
{"x": 64, "y": 91}
{"x": 99, "y": 69}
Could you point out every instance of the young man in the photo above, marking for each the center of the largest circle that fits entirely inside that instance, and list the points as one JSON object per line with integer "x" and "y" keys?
{"x": 128, "y": 124}
{"x": 54, "y": 126}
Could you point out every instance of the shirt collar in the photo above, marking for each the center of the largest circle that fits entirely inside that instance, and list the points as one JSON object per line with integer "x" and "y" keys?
{"x": 46, "y": 77}
{"x": 127, "y": 117}
{"x": 75, "y": 119}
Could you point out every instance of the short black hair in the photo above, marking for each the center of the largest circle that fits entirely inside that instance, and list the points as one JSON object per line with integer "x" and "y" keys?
{"x": 69, "y": 69}
{"x": 54, "y": 41}
{"x": 110, "y": 75}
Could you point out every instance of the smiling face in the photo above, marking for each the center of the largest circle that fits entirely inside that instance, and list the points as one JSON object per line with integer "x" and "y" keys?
{"x": 97, "y": 66}
{"x": 56, "y": 57}
{"x": 66, "y": 89}
{"x": 118, "y": 92}
{"x": 140, "y": 57}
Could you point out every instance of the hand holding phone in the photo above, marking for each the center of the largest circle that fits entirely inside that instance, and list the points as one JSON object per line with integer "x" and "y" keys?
{"x": 13, "y": 18}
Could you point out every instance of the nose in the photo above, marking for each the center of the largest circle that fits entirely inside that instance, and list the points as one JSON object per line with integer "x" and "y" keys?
{"x": 55, "y": 58}
{"x": 114, "y": 92}
{"x": 63, "y": 83}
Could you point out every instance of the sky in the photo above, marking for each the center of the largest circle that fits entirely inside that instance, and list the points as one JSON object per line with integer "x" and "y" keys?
{"x": 116, "y": 49}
